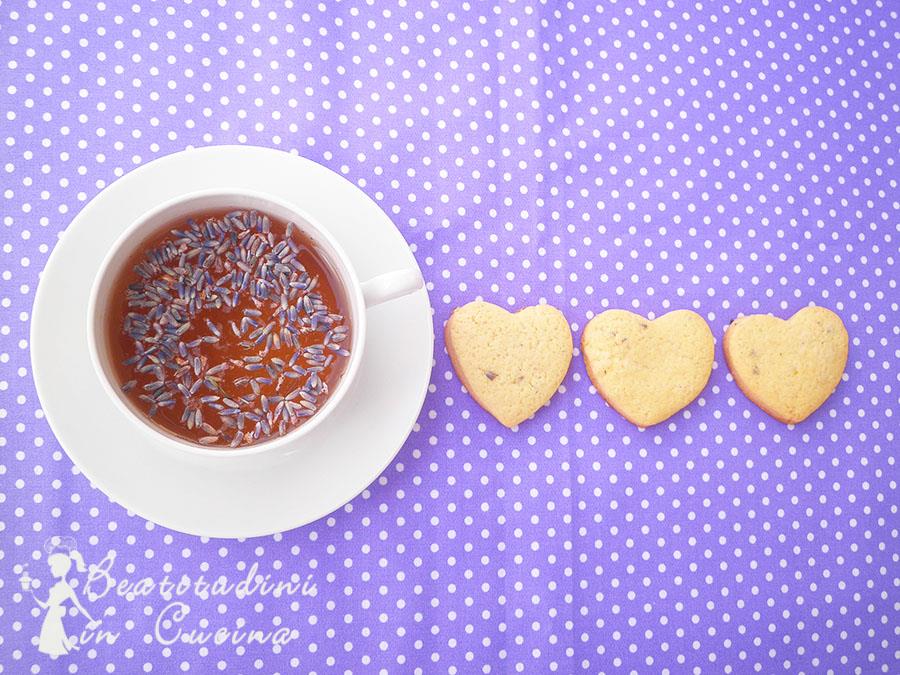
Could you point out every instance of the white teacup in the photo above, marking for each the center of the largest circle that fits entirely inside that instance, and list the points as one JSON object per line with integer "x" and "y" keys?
{"x": 359, "y": 296}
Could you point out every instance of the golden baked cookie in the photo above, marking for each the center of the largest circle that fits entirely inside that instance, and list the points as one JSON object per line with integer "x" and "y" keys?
{"x": 648, "y": 370}
{"x": 787, "y": 368}
{"x": 511, "y": 364}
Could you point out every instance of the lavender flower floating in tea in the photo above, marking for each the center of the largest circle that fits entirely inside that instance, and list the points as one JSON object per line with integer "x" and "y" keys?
{"x": 229, "y": 329}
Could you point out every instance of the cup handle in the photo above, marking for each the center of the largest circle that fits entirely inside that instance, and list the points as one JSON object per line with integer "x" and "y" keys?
{"x": 391, "y": 285}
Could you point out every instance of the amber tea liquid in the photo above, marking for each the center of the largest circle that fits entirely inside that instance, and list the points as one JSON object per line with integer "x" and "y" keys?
{"x": 228, "y": 328}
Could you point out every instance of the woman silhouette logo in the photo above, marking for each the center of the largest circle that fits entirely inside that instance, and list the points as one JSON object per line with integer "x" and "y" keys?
{"x": 61, "y": 554}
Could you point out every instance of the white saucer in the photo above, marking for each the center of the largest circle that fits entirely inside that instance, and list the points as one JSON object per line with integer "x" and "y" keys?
{"x": 237, "y": 497}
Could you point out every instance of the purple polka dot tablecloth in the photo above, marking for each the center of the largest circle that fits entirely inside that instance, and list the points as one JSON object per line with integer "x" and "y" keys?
{"x": 732, "y": 157}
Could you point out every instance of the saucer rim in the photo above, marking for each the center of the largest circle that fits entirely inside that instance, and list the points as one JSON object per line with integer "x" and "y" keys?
{"x": 43, "y": 382}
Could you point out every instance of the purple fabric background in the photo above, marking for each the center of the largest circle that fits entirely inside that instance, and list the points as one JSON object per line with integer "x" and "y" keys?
{"x": 726, "y": 157}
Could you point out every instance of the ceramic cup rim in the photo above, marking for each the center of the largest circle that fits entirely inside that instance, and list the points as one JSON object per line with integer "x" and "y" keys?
{"x": 128, "y": 241}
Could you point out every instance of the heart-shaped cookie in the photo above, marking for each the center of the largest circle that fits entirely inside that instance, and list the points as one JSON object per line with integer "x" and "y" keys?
{"x": 787, "y": 368}
{"x": 512, "y": 364}
{"x": 648, "y": 370}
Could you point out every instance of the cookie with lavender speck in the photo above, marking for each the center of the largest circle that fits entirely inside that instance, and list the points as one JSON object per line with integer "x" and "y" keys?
{"x": 511, "y": 363}
{"x": 788, "y": 367}
{"x": 648, "y": 370}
